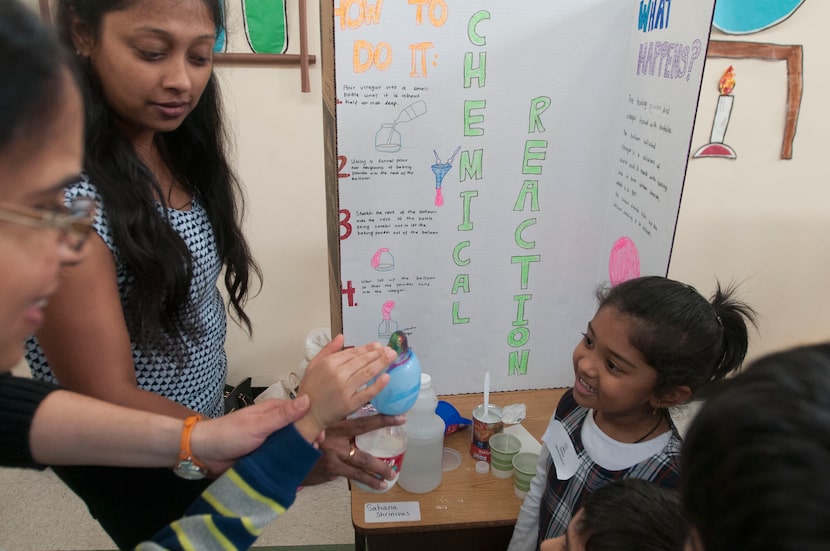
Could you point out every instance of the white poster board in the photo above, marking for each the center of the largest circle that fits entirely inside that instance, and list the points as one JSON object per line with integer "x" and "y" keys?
{"x": 500, "y": 160}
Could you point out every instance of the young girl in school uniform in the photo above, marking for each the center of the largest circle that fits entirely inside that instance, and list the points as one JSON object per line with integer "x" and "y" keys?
{"x": 652, "y": 344}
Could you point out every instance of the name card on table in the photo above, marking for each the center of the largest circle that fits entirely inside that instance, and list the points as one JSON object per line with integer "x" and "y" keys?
{"x": 400, "y": 511}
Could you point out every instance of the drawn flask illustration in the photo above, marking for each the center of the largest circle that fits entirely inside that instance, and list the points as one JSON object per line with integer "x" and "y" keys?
{"x": 388, "y": 138}
{"x": 265, "y": 26}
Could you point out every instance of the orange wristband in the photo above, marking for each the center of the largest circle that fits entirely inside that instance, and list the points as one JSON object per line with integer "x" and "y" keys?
{"x": 185, "y": 453}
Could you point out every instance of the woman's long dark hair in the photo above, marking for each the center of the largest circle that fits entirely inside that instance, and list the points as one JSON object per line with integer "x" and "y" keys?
{"x": 154, "y": 253}
{"x": 34, "y": 65}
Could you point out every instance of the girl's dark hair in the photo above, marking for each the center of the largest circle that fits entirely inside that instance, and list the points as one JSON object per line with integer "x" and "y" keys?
{"x": 33, "y": 64}
{"x": 688, "y": 340}
{"x": 632, "y": 515}
{"x": 755, "y": 457}
{"x": 154, "y": 253}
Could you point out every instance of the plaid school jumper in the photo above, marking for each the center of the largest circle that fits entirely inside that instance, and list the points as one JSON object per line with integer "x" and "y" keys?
{"x": 562, "y": 498}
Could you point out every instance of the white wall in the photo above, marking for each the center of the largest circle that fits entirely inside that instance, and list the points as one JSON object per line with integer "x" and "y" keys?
{"x": 759, "y": 220}
{"x": 279, "y": 153}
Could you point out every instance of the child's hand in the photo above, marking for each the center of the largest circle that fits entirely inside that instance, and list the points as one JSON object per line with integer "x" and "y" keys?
{"x": 220, "y": 442}
{"x": 335, "y": 381}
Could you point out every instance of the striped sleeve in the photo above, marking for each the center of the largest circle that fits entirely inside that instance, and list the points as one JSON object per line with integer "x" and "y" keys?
{"x": 231, "y": 512}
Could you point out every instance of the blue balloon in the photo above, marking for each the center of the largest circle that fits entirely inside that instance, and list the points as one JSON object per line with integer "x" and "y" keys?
{"x": 751, "y": 16}
{"x": 404, "y": 379}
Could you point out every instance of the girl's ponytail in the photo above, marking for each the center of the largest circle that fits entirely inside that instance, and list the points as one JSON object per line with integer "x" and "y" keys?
{"x": 732, "y": 315}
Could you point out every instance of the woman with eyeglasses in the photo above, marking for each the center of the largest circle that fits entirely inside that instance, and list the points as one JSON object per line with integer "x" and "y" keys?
{"x": 141, "y": 322}
{"x": 41, "y": 148}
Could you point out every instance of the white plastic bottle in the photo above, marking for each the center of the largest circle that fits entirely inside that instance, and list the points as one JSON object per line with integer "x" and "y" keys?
{"x": 389, "y": 444}
{"x": 421, "y": 471}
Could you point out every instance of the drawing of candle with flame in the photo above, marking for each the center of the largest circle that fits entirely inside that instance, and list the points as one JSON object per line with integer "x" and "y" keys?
{"x": 716, "y": 147}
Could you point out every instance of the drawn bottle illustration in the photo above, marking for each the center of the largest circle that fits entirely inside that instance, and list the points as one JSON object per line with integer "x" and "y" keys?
{"x": 387, "y": 325}
{"x": 412, "y": 111}
{"x": 265, "y": 26}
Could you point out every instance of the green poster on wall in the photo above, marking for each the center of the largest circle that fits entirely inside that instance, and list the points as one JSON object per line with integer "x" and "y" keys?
{"x": 265, "y": 26}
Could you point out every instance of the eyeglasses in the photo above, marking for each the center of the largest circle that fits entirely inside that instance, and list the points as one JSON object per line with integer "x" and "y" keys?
{"x": 75, "y": 224}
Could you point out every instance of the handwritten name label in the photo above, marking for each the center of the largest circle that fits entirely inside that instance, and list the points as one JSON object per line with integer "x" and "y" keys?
{"x": 400, "y": 511}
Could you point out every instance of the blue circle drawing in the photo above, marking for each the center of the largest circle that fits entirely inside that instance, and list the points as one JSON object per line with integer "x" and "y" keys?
{"x": 751, "y": 16}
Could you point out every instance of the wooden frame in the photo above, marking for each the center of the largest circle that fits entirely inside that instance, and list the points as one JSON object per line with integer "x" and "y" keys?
{"x": 303, "y": 59}
{"x": 792, "y": 55}
{"x": 331, "y": 165}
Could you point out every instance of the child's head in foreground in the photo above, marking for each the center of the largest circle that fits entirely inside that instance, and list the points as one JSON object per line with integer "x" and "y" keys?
{"x": 754, "y": 463}
{"x": 627, "y": 515}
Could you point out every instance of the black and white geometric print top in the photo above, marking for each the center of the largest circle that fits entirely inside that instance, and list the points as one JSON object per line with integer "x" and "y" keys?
{"x": 199, "y": 383}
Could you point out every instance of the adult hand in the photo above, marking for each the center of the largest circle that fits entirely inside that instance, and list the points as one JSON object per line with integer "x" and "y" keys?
{"x": 361, "y": 466}
{"x": 337, "y": 382}
{"x": 218, "y": 443}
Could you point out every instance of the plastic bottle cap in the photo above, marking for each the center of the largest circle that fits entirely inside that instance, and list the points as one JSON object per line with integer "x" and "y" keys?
{"x": 450, "y": 460}
{"x": 482, "y": 467}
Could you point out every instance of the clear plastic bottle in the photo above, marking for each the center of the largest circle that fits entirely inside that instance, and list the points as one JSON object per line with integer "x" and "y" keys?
{"x": 388, "y": 444}
{"x": 422, "y": 469}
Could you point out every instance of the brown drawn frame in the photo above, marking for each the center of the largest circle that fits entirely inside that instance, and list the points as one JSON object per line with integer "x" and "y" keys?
{"x": 794, "y": 58}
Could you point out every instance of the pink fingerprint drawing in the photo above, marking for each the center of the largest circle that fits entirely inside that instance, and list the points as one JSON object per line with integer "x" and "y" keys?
{"x": 624, "y": 261}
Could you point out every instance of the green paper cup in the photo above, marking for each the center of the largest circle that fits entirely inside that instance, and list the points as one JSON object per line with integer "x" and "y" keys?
{"x": 503, "y": 447}
{"x": 524, "y": 467}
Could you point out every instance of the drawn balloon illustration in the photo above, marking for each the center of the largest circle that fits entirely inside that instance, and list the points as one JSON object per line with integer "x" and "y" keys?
{"x": 383, "y": 261}
{"x": 387, "y": 324}
{"x": 624, "y": 261}
{"x": 751, "y": 16}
